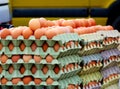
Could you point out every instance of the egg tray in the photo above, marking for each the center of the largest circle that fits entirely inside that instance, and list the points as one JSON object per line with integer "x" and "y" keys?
{"x": 93, "y": 86}
{"x": 111, "y": 81}
{"x": 61, "y": 39}
{"x": 95, "y": 76}
{"x": 75, "y": 80}
{"x": 39, "y": 51}
{"x": 60, "y": 61}
{"x": 111, "y": 70}
{"x": 113, "y": 86}
{"x": 90, "y": 69}
{"x": 31, "y": 85}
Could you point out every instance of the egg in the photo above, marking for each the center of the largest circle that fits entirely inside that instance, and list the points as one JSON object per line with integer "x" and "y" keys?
{"x": 33, "y": 46}
{"x": 16, "y": 80}
{"x": 4, "y": 81}
{"x": 37, "y": 81}
{"x": 16, "y": 32}
{"x": 45, "y": 69}
{"x": 27, "y": 58}
{"x": 33, "y": 69}
{"x": 71, "y": 86}
{"x": 43, "y": 22}
{"x": 91, "y": 22}
{"x": 39, "y": 33}
{"x": 45, "y": 46}
{"x": 1, "y": 69}
{"x": 50, "y": 23}
{"x": 86, "y": 23}
{"x": 27, "y": 32}
{"x": 22, "y": 46}
{"x": 78, "y": 23}
{"x": 27, "y": 79}
{"x": 37, "y": 58}
{"x": 15, "y": 58}
{"x": 59, "y": 21}
{"x": 68, "y": 23}
{"x": 22, "y": 69}
{"x": 4, "y": 58}
{"x": 49, "y": 81}
{"x": 1, "y": 46}
{"x": 11, "y": 69}
{"x": 11, "y": 46}
{"x": 56, "y": 47}
{"x": 34, "y": 24}
{"x": 50, "y": 33}
{"x": 4, "y": 33}
{"x": 49, "y": 58}
{"x": 56, "y": 69}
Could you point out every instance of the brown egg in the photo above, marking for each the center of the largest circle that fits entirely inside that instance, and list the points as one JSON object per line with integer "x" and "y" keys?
{"x": 1, "y": 46}
{"x": 71, "y": 86}
{"x": 11, "y": 69}
{"x": 16, "y": 32}
{"x": 45, "y": 46}
{"x": 22, "y": 46}
{"x": 50, "y": 23}
{"x": 91, "y": 22}
{"x": 45, "y": 69}
{"x": 56, "y": 69}
{"x": 11, "y": 46}
{"x": 49, "y": 81}
{"x": 37, "y": 81}
{"x": 33, "y": 69}
{"x": 16, "y": 80}
{"x": 43, "y": 22}
{"x": 27, "y": 58}
{"x": 4, "y": 58}
{"x": 37, "y": 58}
{"x": 78, "y": 23}
{"x": 56, "y": 46}
{"x": 49, "y": 58}
{"x": 68, "y": 23}
{"x": 27, "y": 79}
{"x": 15, "y": 58}
{"x": 4, "y": 81}
{"x": 22, "y": 69}
{"x": 33, "y": 46}
{"x": 50, "y": 33}
{"x": 34, "y": 24}
{"x": 1, "y": 69}
{"x": 39, "y": 33}
{"x": 4, "y": 33}
{"x": 27, "y": 32}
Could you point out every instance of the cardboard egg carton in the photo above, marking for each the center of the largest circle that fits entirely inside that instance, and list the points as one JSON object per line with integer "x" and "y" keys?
{"x": 111, "y": 57}
{"x": 93, "y": 86}
{"x": 113, "y": 86}
{"x": 75, "y": 80}
{"x": 95, "y": 76}
{"x": 88, "y": 66}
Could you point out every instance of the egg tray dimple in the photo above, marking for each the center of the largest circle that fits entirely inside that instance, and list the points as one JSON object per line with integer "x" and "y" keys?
{"x": 75, "y": 80}
{"x": 95, "y": 76}
{"x": 111, "y": 81}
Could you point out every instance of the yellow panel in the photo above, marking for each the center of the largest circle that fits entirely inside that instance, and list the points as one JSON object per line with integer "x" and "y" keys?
{"x": 101, "y": 21}
{"x": 50, "y": 3}
{"x": 24, "y": 21}
{"x": 101, "y": 3}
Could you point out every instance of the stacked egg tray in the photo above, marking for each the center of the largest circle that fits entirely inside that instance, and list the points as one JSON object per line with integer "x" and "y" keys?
{"x": 66, "y": 59}
{"x": 105, "y": 64}
{"x": 99, "y": 41}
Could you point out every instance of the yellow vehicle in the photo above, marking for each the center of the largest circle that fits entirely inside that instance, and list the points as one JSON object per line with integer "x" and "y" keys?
{"x": 52, "y": 9}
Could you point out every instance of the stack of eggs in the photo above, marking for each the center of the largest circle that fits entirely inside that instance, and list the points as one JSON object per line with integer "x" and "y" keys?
{"x": 39, "y": 57}
{"x": 48, "y": 54}
{"x": 96, "y": 59}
